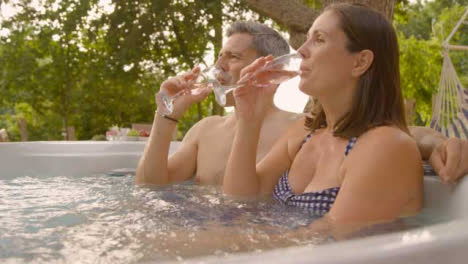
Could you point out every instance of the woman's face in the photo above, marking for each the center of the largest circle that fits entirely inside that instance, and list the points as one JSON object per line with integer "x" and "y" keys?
{"x": 326, "y": 67}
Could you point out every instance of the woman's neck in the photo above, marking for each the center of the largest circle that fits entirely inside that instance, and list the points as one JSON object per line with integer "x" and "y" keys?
{"x": 336, "y": 107}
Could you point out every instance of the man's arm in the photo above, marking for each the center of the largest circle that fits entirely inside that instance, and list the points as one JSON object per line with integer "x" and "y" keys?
{"x": 450, "y": 159}
{"x": 155, "y": 167}
{"x": 448, "y": 156}
{"x": 427, "y": 140}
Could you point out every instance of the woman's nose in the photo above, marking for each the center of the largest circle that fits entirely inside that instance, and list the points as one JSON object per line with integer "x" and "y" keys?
{"x": 303, "y": 51}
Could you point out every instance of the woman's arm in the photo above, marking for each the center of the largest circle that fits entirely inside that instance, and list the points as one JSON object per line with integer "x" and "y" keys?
{"x": 243, "y": 177}
{"x": 383, "y": 180}
{"x": 252, "y": 102}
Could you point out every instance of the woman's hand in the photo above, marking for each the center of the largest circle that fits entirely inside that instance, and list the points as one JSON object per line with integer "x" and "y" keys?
{"x": 183, "y": 82}
{"x": 253, "y": 98}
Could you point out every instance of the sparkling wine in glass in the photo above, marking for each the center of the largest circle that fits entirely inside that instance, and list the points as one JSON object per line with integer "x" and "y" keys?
{"x": 209, "y": 77}
{"x": 277, "y": 71}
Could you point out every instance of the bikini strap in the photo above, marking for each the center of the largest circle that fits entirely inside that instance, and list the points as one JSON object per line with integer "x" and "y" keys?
{"x": 306, "y": 138}
{"x": 350, "y": 145}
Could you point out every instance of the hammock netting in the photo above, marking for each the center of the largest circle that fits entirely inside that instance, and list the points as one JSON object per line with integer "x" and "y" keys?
{"x": 450, "y": 105}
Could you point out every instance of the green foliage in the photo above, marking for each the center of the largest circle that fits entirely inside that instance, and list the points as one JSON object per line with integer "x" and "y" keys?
{"x": 133, "y": 133}
{"x": 448, "y": 19}
{"x": 416, "y": 19}
{"x": 314, "y": 4}
{"x": 40, "y": 127}
{"x": 420, "y": 64}
{"x": 99, "y": 137}
{"x": 75, "y": 64}
{"x": 422, "y": 29}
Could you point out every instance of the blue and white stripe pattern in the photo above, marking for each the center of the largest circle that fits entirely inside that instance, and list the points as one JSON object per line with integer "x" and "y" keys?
{"x": 319, "y": 202}
{"x": 428, "y": 169}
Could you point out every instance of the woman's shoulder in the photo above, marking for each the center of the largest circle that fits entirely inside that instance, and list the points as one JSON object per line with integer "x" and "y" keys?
{"x": 387, "y": 136}
{"x": 385, "y": 143}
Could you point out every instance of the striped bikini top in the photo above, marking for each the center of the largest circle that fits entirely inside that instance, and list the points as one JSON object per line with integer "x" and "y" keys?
{"x": 318, "y": 202}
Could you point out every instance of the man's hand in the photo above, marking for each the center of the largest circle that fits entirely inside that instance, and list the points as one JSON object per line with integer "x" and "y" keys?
{"x": 183, "y": 82}
{"x": 450, "y": 159}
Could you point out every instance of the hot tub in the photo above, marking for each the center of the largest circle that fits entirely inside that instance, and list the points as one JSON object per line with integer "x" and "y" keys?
{"x": 442, "y": 242}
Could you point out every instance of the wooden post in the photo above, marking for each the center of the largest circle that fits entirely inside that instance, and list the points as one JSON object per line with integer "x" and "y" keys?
{"x": 409, "y": 110}
{"x": 70, "y": 133}
{"x": 23, "y": 128}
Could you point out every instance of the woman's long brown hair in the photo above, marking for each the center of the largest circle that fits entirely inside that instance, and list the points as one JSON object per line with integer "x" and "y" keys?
{"x": 378, "y": 99}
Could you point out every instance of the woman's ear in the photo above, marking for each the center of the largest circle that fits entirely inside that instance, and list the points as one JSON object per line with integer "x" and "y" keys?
{"x": 363, "y": 61}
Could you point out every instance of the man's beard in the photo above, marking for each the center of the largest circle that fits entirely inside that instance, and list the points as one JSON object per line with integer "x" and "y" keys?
{"x": 224, "y": 78}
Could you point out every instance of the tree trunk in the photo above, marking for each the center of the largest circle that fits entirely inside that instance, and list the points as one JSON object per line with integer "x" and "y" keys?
{"x": 298, "y": 17}
{"x": 23, "y": 128}
{"x": 217, "y": 23}
{"x": 293, "y": 14}
{"x": 384, "y": 6}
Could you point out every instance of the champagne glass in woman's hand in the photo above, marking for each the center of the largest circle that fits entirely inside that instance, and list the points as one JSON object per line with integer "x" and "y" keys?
{"x": 261, "y": 78}
{"x": 278, "y": 70}
{"x": 274, "y": 71}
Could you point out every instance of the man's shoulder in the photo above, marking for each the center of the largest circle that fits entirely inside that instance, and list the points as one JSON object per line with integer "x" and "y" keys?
{"x": 201, "y": 127}
{"x": 288, "y": 117}
{"x": 210, "y": 121}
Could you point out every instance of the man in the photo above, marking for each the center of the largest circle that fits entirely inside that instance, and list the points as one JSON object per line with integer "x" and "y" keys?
{"x": 205, "y": 149}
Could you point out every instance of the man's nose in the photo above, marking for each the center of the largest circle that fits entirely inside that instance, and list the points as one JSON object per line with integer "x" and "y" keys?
{"x": 221, "y": 63}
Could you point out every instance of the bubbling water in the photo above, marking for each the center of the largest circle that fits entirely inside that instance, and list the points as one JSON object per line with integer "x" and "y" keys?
{"x": 107, "y": 219}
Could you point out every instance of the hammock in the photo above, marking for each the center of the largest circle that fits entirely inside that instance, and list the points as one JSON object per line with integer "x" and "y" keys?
{"x": 450, "y": 105}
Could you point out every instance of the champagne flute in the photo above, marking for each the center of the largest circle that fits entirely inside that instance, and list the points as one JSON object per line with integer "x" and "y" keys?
{"x": 209, "y": 77}
{"x": 279, "y": 70}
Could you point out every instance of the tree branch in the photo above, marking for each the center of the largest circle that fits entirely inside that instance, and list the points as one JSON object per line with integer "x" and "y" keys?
{"x": 298, "y": 17}
{"x": 293, "y": 14}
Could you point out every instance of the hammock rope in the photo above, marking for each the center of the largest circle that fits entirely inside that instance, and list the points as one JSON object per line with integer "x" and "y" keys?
{"x": 450, "y": 105}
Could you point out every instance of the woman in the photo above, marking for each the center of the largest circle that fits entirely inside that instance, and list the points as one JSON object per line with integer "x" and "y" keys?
{"x": 353, "y": 162}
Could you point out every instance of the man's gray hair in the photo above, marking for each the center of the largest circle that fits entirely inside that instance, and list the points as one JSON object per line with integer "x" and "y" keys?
{"x": 266, "y": 41}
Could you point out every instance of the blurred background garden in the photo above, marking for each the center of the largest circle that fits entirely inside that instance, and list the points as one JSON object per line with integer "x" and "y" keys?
{"x": 91, "y": 64}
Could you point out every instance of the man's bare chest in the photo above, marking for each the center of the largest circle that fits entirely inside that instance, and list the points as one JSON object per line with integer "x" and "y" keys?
{"x": 213, "y": 154}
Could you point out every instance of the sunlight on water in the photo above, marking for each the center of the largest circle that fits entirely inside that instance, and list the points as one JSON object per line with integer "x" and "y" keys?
{"x": 107, "y": 219}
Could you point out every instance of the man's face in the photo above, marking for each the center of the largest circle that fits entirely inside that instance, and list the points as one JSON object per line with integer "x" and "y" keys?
{"x": 235, "y": 55}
